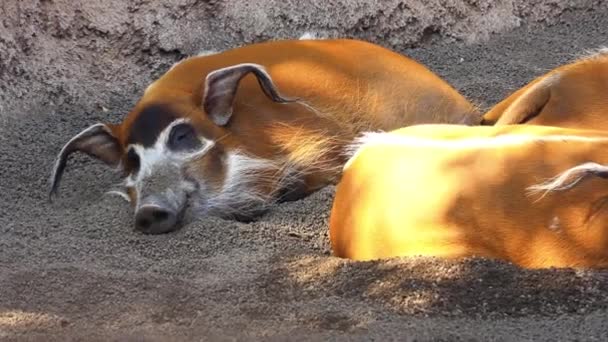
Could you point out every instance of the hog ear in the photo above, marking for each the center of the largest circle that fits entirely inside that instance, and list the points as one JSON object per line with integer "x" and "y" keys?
{"x": 221, "y": 86}
{"x": 526, "y": 106}
{"x": 97, "y": 141}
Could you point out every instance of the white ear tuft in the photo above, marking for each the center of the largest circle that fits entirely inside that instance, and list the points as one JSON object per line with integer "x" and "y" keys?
{"x": 569, "y": 178}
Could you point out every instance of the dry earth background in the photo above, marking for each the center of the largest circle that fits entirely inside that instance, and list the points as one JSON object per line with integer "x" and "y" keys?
{"x": 75, "y": 269}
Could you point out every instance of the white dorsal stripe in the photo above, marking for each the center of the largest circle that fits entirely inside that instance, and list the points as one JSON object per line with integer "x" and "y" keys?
{"x": 379, "y": 138}
{"x": 370, "y": 139}
{"x": 308, "y": 36}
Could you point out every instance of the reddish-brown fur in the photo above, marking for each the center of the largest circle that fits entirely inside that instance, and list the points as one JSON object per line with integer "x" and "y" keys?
{"x": 342, "y": 87}
{"x": 351, "y": 85}
{"x": 574, "y": 95}
{"x": 454, "y": 191}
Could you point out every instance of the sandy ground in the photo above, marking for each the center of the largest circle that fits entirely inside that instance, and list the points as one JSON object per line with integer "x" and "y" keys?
{"x": 75, "y": 269}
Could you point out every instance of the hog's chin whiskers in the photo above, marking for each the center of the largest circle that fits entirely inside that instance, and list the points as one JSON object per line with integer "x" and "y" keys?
{"x": 243, "y": 192}
{"x": 253, "y": 184}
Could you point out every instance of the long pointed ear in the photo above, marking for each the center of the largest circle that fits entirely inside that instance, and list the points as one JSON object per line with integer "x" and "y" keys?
{"x": 528, "y": 104}
{"x": 97, "y": 141}
{"x": 221, "y": 86}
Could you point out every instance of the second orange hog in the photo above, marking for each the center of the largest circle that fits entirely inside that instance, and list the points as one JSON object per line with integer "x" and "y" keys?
{"x": 532, "y": 195}
{"x": 574, "y": 95}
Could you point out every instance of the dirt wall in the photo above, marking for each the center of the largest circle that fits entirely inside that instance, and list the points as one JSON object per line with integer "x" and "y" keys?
{"x": 98, "y": 53}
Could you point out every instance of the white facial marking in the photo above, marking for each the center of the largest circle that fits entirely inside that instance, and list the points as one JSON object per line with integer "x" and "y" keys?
{"x": 242, "y": 168}
{"x": 159, "y": 154}
{"x": 241, "y": 172}
{"x": 239, "y": 193}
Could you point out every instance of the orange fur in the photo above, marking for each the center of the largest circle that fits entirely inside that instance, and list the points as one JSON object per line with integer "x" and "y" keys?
{"x": 231, "y": 133}
{"x": 574, "y": 95}
{"x": 454, "y": 191}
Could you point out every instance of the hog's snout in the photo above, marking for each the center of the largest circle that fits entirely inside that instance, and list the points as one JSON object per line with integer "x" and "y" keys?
{"x": 152, "y": 219}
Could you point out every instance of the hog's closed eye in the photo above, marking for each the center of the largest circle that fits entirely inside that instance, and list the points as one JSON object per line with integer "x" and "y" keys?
{"x": 183, "y": 137}
{"x": 132, "y": 161}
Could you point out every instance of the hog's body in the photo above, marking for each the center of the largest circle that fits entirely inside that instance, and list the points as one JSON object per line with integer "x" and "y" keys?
{"x": 531, "y": 195}
{"x": 262, "y": 122}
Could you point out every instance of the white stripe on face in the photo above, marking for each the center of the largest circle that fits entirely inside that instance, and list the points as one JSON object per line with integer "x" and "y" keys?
{"x": 151, "y": 158}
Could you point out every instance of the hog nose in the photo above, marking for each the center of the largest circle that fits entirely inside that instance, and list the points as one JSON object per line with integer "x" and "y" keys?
{"x": 152, "y": 219}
